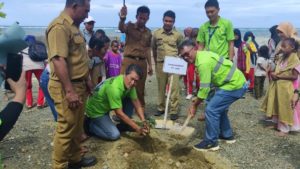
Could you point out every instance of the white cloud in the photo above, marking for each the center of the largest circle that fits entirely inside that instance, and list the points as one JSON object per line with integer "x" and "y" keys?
{"x": 254, "y": 13}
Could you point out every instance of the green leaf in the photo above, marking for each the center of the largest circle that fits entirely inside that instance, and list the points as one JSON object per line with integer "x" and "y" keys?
{"x": 2, "y": 15}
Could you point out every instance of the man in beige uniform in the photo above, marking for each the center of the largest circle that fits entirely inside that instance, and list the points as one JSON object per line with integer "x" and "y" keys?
{"x": 69, "y": 83}
{"x": 138, "y": 46}
{"x": 165, "y": 42}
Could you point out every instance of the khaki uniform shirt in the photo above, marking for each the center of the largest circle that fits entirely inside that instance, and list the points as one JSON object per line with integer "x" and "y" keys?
{"x": 166, "y": 43}
{"x": 64, "y": 39}
{"x": 137, "y": 42}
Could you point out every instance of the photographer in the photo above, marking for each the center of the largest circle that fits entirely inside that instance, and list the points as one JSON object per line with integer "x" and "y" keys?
{"x": 9, "y": 115}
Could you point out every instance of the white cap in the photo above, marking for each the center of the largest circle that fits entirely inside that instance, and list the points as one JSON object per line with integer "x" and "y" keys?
{"x": 89, "y": 19}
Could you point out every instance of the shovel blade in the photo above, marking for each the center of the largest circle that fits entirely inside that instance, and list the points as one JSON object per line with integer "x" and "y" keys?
{"x": 186, "y": 132}
{"x": 161, "y": 125}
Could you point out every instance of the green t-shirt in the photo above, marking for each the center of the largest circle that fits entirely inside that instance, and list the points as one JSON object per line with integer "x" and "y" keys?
{"x": 107, "y": 96}
{"x": 220, "y": 35}
{"x": 213, "y": 71}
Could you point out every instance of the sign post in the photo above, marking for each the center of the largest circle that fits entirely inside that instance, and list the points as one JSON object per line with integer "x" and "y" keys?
{"x": 172, "y": 65}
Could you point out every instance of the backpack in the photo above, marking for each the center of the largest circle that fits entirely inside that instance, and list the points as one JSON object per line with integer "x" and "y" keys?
{"x": 37, "y": 51}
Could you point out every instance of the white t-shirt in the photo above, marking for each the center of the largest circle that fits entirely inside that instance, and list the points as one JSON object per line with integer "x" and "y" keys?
{"x": 29, "y": 64}
{"x": 235, "y": 55}
{"x": 271, "y": 46}
{"x": 48, "y": 68}
{"x": 264, "y": 63}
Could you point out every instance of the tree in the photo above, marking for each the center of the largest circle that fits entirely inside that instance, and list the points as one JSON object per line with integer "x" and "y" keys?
{"x": 2, "y": 15}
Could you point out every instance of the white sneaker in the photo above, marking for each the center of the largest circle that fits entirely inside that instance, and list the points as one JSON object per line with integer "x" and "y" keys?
{"x": 189, "y": 96}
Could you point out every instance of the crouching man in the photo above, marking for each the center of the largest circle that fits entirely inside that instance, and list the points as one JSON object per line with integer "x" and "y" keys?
{"x": 117, "y": 94}
{"x": 231, "y": 85}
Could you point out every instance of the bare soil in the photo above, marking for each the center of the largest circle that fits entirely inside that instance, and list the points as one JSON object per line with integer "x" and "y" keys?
{"x": 28, "y": 145}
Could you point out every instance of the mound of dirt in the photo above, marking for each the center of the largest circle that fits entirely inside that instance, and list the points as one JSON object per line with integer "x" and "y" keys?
{"x": 159, "y": 150}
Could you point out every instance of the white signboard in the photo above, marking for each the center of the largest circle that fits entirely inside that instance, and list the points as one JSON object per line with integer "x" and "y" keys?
{"x": 175, "y": 65}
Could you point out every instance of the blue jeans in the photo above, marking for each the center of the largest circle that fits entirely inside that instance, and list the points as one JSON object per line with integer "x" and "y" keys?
{"x": 216, "y": 114}
{"x": 103, "y": 127}
{"x": 44, "y": 79}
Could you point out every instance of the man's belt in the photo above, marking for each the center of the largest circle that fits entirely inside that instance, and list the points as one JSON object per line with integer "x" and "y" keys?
{"x": 135, "y": 57}
{"x": 73, "y": 80}
{"x": 78, "y": 80}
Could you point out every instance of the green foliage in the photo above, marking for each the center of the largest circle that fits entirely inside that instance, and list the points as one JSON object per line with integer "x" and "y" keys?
{"x": 150, "y": 121}
{"x": 2, "y": 15}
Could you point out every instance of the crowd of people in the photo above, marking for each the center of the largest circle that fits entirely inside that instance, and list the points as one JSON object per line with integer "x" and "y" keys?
{"x": 86, "y": 76}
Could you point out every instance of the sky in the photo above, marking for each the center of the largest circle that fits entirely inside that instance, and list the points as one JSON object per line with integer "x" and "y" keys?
{"x": 242, "y": 13}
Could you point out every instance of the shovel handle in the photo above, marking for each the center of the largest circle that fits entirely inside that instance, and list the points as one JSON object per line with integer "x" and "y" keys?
{"x": 167, "y": 101}
{"x": 186, "y": 122}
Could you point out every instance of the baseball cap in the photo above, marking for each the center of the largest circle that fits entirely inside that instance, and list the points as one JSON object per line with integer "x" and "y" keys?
{"x": 89, "y": 19}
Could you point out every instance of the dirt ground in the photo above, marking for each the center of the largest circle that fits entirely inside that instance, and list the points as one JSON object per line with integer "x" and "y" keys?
{"x": 28, "y": 145}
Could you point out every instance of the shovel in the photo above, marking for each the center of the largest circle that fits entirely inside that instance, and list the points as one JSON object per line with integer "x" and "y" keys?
{"x": 174, "y": 128}
{"x": 183, "y": 130}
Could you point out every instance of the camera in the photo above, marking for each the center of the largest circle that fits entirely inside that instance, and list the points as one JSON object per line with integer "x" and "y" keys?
{"x": 13, "y": 68}
{"x": 11, "y": 43}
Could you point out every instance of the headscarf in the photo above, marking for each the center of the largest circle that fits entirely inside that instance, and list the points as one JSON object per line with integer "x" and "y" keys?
{"x": 253, "y": 56}
{"x": 287, "y": 29}
{"x": 250, "y": 34}
{"x": 238, "y": 42}
{"x": 274, "y": 34}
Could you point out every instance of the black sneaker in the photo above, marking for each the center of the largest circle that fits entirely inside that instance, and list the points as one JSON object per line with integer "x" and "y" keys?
{"x": 173, "y": 117}
{"x": 250, "y": 91}
{"x": 159, "y": 113}
{"x": 86, "y": 126}
{"x": 122, "y": 127}
{"x": 229, "y": 140}
{"x": 206, "y": 146}
{"x": 115, "y": 118}
{"x": 84, "y": 162}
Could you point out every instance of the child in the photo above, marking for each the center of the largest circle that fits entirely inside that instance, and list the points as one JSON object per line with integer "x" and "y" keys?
{"x": 191, "y": 74}
{"x": 113, "y": 60}
{"x": 98, "y": 50}
{"x": 97, "y": 65}
{"x": 260, "y": 71}
{"x": 249, "y": 47}
{"x": 240, "y": 57}
{"x": 280, "y": 102}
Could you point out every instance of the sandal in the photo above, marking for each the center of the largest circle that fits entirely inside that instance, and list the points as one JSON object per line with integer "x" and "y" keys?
{"x": 30, "y": 107}
{"x": 83, "y": 150}
{"x": 281, "y": 134}
{"x": 83, "y": 137}
{"x": 201, "y": 117}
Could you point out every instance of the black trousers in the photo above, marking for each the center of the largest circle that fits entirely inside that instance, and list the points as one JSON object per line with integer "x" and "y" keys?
{"x": 8, "y": 116}
{"x": 259, "y": 86}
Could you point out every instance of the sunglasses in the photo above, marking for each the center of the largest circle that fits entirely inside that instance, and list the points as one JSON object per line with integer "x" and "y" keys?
{"x": 186, "y": 54}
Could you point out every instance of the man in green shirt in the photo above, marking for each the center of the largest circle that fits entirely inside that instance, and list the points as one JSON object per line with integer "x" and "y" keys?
{"x": 217, "y": 34}
{"x": 231, "y": 85}
{"x": 165, "y": 42}
{"x": 117, "y": 94}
